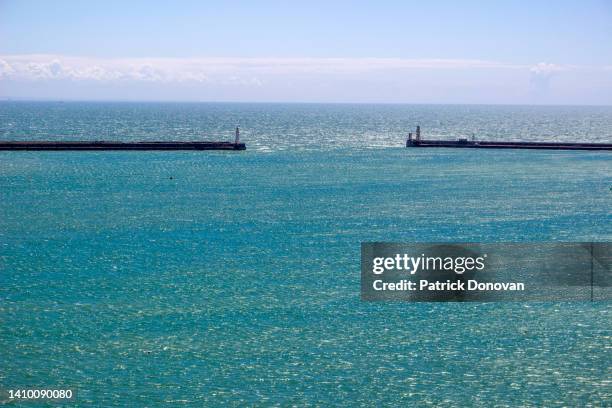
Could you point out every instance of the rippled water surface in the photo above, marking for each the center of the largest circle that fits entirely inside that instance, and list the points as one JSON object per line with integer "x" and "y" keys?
{"x": 300, "y": 126}
{"x": 208, "y": 278}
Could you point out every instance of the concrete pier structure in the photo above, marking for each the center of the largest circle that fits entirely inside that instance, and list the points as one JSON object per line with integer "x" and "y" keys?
{"x": 111, "y": 145}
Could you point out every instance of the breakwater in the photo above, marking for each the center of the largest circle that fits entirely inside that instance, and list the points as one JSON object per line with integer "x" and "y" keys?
{"x": 111, "y": 145}
{"x": 417, "y": 141}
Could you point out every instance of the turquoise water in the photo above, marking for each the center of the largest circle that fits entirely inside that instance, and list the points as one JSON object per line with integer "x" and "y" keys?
{"x": 209, "y": 278}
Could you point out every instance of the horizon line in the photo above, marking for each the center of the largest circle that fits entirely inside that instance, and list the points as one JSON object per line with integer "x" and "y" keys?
{"x": 55, "y": 100}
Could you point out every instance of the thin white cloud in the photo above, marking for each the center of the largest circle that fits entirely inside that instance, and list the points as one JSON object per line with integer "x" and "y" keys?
{"x": 302, "y": 79}
{"x": 245, "y": 71}
{"x": 541, "y": 75}
{"x": 543, "y": 68}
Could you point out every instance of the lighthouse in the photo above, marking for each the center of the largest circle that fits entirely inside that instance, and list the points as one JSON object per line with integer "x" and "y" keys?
{"x": 237, "y": 135}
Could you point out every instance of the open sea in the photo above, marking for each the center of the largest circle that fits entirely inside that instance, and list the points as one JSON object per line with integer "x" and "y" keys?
{"x": 233, "y": 278}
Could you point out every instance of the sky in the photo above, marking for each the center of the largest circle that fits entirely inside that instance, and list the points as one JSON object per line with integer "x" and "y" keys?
{"x": 468, "y": 51}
